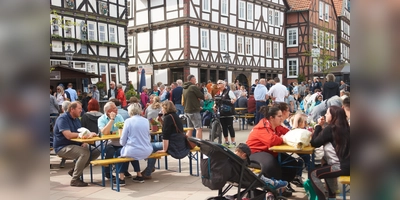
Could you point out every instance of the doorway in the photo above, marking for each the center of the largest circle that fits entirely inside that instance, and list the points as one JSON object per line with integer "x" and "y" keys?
{"x": 243, "y": 81}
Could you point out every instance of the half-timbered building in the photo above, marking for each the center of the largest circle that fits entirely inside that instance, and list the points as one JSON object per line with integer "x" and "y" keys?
{"x": 96, "y": 31}
{"x": 343, "y": 47}
{"x": 211, "y": 39}
{"x": 310, "y": 38}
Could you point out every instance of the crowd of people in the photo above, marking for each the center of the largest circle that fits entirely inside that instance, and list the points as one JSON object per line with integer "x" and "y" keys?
{"x": 277, "y": 108}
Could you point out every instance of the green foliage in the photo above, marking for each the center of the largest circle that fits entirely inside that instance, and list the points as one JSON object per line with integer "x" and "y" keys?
{"x": 131, "y": 93}
{"x": 100, "y": 85}
{"x": 301, "y": 78}
{"x": 119, "y": 125}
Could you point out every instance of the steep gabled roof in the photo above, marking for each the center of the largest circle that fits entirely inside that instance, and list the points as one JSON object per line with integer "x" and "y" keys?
{"x": 338, "y": 6}
{"x": 299, "y": 5}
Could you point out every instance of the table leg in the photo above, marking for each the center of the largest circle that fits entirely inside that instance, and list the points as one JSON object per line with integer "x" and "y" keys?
{"x": 103, "y": 182}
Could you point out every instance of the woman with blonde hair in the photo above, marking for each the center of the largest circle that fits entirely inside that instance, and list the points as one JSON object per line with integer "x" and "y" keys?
{"x": 60, "y": 97}
{"x": 153, "y": 109}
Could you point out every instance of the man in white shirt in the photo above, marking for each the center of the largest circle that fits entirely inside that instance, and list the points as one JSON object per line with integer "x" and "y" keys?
{"x": 278, "y": 91}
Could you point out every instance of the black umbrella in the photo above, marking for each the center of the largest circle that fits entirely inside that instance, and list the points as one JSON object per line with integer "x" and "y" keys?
{"x": 142, "y": 80}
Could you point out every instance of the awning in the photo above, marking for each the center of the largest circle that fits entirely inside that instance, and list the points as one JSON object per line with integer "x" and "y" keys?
{"x": 338, "y": 70}
{"x": 71, "y": 73}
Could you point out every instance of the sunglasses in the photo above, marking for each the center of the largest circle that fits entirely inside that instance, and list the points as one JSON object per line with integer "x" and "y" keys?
{"x": 219, "y": 83}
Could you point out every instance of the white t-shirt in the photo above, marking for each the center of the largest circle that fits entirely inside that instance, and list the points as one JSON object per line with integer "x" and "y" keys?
{"x": 279, "y": 92}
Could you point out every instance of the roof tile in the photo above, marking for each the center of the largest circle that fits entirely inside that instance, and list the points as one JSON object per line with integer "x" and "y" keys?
{"x": 297, "y": 5}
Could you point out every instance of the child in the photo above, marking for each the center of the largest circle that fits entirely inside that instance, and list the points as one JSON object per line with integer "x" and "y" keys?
{"x": 243, "y": 151}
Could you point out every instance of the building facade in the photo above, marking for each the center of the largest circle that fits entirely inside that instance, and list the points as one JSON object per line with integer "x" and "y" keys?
{"x": 311, "y": 43}
{"x": 343, "y": 12}
{"x": 97, "y": 32}
{"x": 212, "y": 39}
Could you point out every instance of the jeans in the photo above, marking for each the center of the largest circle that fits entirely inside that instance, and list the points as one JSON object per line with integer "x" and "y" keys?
{"x": 110, "y": 151}
{"x": 259, "y": 115}
{"x": 151, "y": 162}
{"x": 179, "y": 108}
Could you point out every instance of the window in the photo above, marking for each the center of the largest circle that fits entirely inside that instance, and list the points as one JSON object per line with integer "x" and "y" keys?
{"x": 275, "y": 52}
{"x": 249, "y": 12}
{"x": 206, "y": 5}
{"x": 113, "y": 73}
{"x": 327, "y": 38}
{"x": 270, "y": 22}
{"x": 204, "y": 39}
{"x": 240, "y": 45}
{"x": 321, "y": 39}
{"x": 321, "y": 10}
{"x": 315, "y": 65}
{"x": 276, "y": 18}
{"x": 224, "y": 7}
{"x": 130, "y": 46}
{"x": 293, "y": 68}
{"x": 327, "y": 12}
{"x": 292, "y": 37}
{"x": 249, "y": 46}
{"x": 92, "y": 33}
{"x": 268, "y": 49}
{"x": 315, "y": 37}
{"x": 223, "y": 42}
{"x": 333, "y": 42}
{"x": 68, "y": 29}
{"x": 128, "y": 9}
{"x": 112, "y": 34}
{"x": 55, "y": 26}
{"x": 241, "y": 10}
{"x": 102, "y": 33}
{"x": 102, "y": 69}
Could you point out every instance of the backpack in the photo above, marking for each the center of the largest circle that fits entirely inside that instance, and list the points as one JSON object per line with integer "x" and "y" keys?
{"x": 226, "y": 108}
{"x": 68, "y": 95}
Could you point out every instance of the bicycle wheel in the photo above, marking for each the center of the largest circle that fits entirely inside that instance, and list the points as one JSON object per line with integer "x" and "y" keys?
{"x": 216, "y": 131}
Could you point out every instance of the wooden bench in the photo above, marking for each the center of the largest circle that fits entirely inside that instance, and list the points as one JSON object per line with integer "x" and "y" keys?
{"x": 345, "y": 180}
{"x": 192, "y": 155}
{"x": 112, "y": 161}
{"x": 245, "y": 117}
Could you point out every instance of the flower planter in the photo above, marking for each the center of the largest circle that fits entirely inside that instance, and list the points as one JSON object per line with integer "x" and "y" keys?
{"x": 154, "y": 128}
{"x": 119, "y": 132}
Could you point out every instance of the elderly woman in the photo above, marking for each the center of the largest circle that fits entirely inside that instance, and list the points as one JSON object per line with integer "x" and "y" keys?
{"x": 153, "y": 109}
{"x": 174, "y": 140}
{"x": 135, "y": 140}
{"x": 336, "y": 134}
{"x": 208, "y": 103}
{"x": 331, "y": 88}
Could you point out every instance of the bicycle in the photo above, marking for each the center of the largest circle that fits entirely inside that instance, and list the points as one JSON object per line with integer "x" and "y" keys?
{"x": 215, "y": 125}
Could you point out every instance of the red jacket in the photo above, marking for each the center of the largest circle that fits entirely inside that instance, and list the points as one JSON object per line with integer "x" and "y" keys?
{"x": 121, "y": 97}
{"x": 251, "y": 104}
{"x": 262, "y": 137}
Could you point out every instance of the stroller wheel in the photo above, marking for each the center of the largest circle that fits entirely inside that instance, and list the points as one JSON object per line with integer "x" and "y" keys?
{"x": 216, "y": 132}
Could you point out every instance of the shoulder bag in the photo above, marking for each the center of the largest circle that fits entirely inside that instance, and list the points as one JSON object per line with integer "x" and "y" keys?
{"x": 190, "y": 144}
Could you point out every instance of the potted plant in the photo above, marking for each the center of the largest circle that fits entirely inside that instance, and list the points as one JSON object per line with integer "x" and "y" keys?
{"x": 154, "y": 124}
{"x": 120, "y": 126}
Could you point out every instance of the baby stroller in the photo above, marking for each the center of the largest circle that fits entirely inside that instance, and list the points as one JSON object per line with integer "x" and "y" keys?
{"x": 222, "y": 170}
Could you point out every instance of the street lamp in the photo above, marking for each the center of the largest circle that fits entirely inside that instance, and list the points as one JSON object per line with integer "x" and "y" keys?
{"x": 68, "y": 55}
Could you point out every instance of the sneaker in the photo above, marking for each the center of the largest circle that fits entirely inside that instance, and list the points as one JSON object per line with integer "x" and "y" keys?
{"x": 298, "y": 181}
{"x": 108, "y": 176}
{"x": 78, "y": 183}
{"x": 127, "y": 174}
{"x": 138, "y": 179}
{"x": 287, "y": 193}
{"x": 226, "y": 144}
{"x": 146, "y": 177}
{"x": 232, "y": 145}
{"x": 121, "y": 182}
{"x": 278, "y": 184}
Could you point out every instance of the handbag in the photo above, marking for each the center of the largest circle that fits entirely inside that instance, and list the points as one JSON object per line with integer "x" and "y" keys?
{"x": 190, "y": 144}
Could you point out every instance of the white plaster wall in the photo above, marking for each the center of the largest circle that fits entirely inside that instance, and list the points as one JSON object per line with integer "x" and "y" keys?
{"x": 229, "y": 76}
{"x": 161, "y": 76}
{"x": 159, "y": 39}
{"x": 103, "y": 51}
{"x": 141, "y": 17}
{"x": 113, "y": 52}
{"x": 122, "y": 73}
{"x": 113, "y": 10}
{"x": 156, "y": 3}
{"x": 140, "y": 4}
{"x": 143, "y": 41}
{"x": 254, "y": 76}
{"x": 93, "y": 2}
{"x": 56, "y": 46}
{"x": 173, "y": 37}
{"x": 157, "y": 14}
{"x": 231, "y": 43}
{"x": 171, "y": 5}
{"x": 132, "y": 76}
{"x": 195, "y": 72}
{"x": 56, "y": 2}
{"x": 214, "y": 40}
